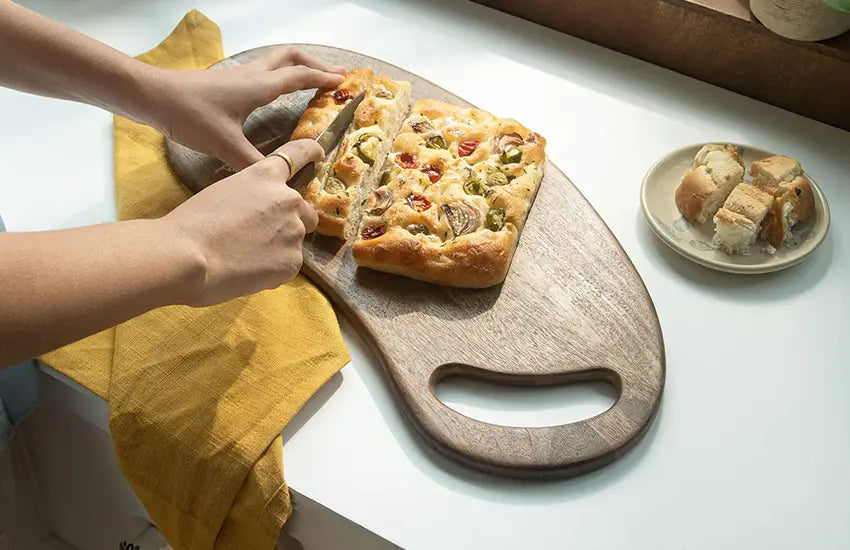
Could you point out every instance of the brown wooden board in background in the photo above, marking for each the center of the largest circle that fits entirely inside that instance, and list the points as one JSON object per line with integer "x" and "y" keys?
{"x": 716, "y": 41}
{"x": 572, "y": 308}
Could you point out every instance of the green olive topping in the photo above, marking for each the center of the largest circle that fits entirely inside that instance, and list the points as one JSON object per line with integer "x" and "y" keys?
{"x": 474, "y": 186}
{"x": 366, "y": 148}
{"x": 511, "y": 156}
{"x": 418, "y": 229}
{"x": 496, "y": 178}
{"x": 436, "y": 142}
{"x": 385, "y": 179}
{"x": 364, "y": 136}
{"x": 495, "y": 219}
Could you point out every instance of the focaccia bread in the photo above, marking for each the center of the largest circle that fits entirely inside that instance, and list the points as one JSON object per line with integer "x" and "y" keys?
{"x": 716, "y": 170}
{"x": 452, "y": 198}
{"x": 339, "y": 179}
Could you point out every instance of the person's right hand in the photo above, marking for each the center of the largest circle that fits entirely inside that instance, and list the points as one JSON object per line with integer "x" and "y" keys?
{"x": 246, "y": 230}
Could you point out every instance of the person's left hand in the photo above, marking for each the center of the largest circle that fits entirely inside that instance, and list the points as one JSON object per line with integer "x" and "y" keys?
{"x": 205, "y": 109}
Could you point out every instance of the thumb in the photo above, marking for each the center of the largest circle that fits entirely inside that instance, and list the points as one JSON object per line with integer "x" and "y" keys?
{"x": 237, "y": 152}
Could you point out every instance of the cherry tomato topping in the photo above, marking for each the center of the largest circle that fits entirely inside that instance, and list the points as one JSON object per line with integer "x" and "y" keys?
{"x": 434, "y": 174}
{"x": 341, "y": 96}
{"x": 406, "y": 160}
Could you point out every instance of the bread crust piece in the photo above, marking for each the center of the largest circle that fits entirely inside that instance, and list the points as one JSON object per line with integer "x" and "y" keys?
{"x": 793, "y": 202}
{"x": 691, "y": 194}
{"x": 331, "y": 209}
{"x": 777, "y": 225}
{"x": 799, "y": 193}
{"x": 476, "y": 260}
{"x": 323, "y": 108}
{"x": 716, "y": 170}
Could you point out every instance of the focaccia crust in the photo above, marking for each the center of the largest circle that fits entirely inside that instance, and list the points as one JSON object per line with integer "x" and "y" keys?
{"x": 477, "y": 260}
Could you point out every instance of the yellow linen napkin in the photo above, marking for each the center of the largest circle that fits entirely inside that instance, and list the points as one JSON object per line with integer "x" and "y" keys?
{"x": 198, "y": 397}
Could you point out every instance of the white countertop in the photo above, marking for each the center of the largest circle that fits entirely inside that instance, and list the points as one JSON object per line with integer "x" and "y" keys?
{"x": 752, "y": 444}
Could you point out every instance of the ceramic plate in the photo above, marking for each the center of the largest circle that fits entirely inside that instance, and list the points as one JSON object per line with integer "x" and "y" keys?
{"x": 694, "y": 241}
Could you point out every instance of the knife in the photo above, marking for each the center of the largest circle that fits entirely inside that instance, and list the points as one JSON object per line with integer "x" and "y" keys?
{"x": 328, "y": 140}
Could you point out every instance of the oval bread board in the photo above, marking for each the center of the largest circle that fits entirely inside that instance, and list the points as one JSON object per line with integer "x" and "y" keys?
{"x": 572, "y": 308}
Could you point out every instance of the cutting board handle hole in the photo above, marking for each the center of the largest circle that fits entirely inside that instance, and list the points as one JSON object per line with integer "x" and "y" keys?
{"x": 526, "y": 404}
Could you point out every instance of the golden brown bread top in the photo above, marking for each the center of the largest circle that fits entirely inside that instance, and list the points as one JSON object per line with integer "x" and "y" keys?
{"x": 373, "y": 109}
{"x": 775, "y": 169}
{"x": 749, "y": 201}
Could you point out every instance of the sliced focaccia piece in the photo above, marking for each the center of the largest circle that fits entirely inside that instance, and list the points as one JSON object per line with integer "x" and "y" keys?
{"x": 734, "y": 232}
{"x": 453, "y": 198}
{"x": 738, "y": 223}
{"x": 793, "y": 202}
{"x": 794, "y": 199}
{"x": 716, "y": 170}
{"x": 339, "y": 179}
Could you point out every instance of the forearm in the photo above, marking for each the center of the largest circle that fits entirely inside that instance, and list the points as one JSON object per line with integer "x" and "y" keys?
{"x": 59, "y": 286}
{"x": 43, "y": 57}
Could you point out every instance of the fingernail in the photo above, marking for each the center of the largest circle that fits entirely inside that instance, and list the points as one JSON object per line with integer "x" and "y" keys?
{"x": 338, "y": 69}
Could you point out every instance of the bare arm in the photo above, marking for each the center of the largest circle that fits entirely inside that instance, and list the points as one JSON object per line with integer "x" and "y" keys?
{"x": 237, "y": 237}
{"x": 241, "y": 235}
{"x": 43, "y": 57}
{"x": 202, "y": 109}
{"x": 60, "y": 286}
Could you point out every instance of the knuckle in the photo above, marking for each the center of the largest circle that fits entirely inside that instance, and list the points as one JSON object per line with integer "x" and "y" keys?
{"x": 290, "y": 197}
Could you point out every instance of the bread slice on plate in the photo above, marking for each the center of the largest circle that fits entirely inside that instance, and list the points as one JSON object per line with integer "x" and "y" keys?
{"x": 794, "y": 200}
{"x": 716, "y": 170}
{"x": 738, "y": 223}
{"x": 769, "y": 172}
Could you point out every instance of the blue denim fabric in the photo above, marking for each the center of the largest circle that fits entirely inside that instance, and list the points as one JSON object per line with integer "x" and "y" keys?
{"x": 18, "y": 396}
{"x": 18, "y": 393}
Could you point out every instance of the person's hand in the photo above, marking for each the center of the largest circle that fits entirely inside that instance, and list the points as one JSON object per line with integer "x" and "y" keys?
{"x": 246, "y": 230}
{"x": 205, "y": 109}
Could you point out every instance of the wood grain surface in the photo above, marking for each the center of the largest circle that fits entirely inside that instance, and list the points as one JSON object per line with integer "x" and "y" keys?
{"x": 716, "y": 41}
{"x": 572, "y": 308}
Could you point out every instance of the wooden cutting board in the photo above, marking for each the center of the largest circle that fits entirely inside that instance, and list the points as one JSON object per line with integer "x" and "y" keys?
{"x": 572, "y": 308}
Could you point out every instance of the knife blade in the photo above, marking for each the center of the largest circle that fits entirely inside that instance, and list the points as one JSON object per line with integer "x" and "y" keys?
{"x": 328, "y": 139}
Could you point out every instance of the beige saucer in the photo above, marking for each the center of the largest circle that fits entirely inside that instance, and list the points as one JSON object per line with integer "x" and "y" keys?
{"x": 694, "y": 241}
